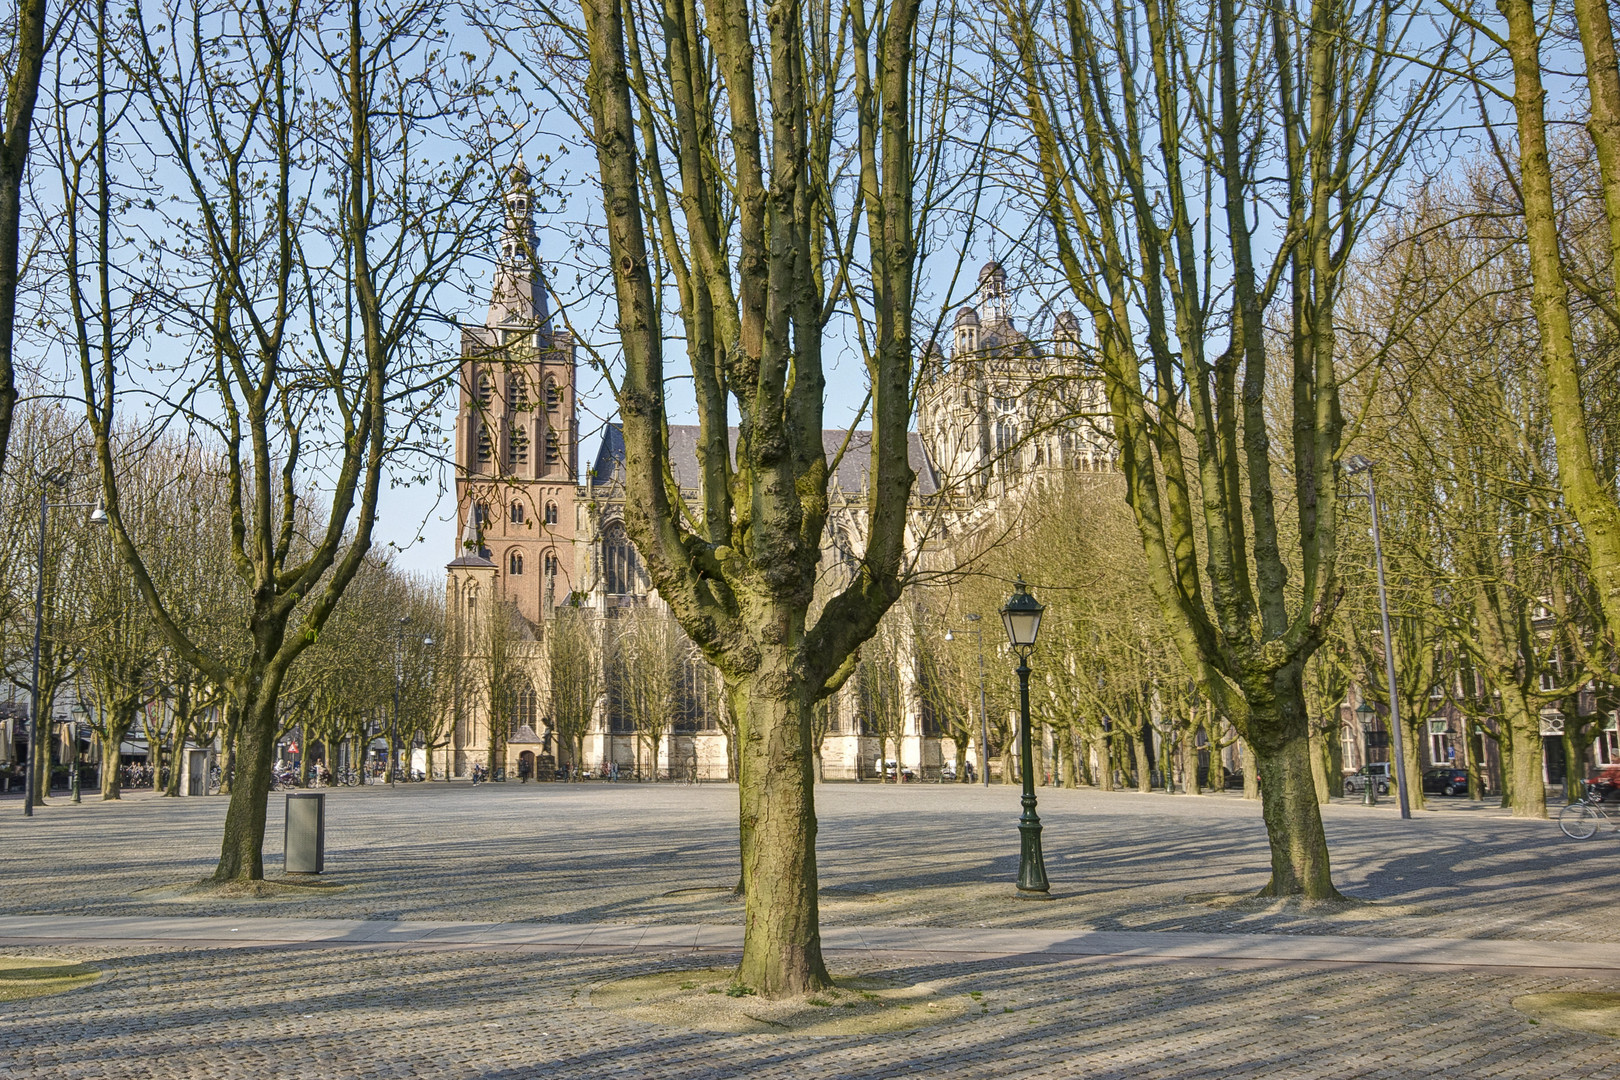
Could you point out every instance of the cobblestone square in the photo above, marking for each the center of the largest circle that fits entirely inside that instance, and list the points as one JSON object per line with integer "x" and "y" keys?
{"x": 890, "y": 857}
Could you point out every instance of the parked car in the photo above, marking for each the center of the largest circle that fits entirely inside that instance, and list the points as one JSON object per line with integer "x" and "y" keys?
{"x": 1445, "y": 780}
{"x": 947, "y": 771}
{"x": 1378, "y": 772}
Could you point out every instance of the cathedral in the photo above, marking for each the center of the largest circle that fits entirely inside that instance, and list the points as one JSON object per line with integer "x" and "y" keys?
{"x": 1002, "y": 410}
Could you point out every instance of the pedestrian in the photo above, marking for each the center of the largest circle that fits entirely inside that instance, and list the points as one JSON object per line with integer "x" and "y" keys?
{"x": 523, "y": 770}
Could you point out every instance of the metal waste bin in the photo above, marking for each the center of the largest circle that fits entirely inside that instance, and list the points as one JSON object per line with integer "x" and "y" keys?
{"x": 304, "y": 851}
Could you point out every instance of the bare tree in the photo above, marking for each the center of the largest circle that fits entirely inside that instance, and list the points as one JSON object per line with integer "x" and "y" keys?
{"x": 310, "y": 230}
{"x": 720, "y": 162}
{"x": 574, "y": 680}
{"x": 1154, "y": 132}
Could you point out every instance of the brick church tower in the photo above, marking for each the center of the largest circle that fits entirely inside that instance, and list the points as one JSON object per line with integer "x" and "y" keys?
{"x": 517, "y": 436}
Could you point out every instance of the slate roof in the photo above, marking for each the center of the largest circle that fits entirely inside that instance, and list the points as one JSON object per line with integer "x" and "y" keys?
{"x": 849, "y": 478}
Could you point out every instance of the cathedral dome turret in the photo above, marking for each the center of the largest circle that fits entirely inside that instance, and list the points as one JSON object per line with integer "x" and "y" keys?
{"x": 967, "y": 317}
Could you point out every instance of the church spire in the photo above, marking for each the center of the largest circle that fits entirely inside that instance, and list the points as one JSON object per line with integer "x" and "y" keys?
{"x": 518, "y": 299}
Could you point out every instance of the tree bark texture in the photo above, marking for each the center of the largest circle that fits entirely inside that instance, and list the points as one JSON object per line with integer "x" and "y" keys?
{"x": 1591, "y": 500}
{"x": 27, "y": 56}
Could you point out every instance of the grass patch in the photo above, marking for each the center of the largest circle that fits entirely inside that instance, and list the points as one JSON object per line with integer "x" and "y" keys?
{"x": 32, "y": 976}
{"x": 712, "y": 1000}
{"x": 1588, "y": 1011}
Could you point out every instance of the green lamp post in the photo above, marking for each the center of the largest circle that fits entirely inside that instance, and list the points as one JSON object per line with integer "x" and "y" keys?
{"x": 1369, "y": 725}
{"x": 1021, "y": 615}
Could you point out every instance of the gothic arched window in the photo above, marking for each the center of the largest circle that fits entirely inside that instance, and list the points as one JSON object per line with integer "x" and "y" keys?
{"x": 550, "y": 564}
{"x": 514, "y": 563}
{"x": 553, "y": 396}
{"x": 517, "y": 392}
{"x": 480, "y": 514}
{"x": 517, "y": 447}
{"x": 1006, "y": 436}
{"x": 486, "y": 446}
{"x": 553, "y": 449}
{"x": 525, "y": 707}
{"x": 486, "y": 388}
{"x": 551, "y": 513}
{"x": 517, "y": 512}
{"x": 618, "y": 562}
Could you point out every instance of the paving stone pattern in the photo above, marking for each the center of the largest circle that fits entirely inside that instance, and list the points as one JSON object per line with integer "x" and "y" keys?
{"x": 186, "y": 1014}
{"x": 890, "y": 856}
{"x": 918, "y": 855}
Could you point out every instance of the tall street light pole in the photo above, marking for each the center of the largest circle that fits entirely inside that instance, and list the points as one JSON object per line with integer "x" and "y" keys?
{"x": 984, "y": 719}
{"x": 1359, "y": 464}
{"x": 98, "y": 516}
{"x": 1021, "y": 615}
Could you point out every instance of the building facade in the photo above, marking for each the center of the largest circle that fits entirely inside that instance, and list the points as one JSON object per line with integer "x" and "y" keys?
{"x": 997, "y": 412}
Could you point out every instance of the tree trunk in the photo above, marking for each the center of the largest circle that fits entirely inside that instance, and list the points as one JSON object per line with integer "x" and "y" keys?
{"x": 1144, "y": 765}
{"x": 111, "y": 766}
{"x": 1189, "y": 761}
{"x": 1251, "y": 771}
{"x": 1105, "y": 763}
{"x": 1413, "y": 764}
{"x": 241, "y": 856}
{"x": 782, "y": 942}
{"x": 177, "y": 754}
{"x": 1589, "y": 498}
{"x": 1217, "y": 764}
{"x": 1473, "y": 753}
{"x": 1523, "y": 790}
{"x": 1299, "y": 855}
{"x": 39, "y": 750}
{"x": 1319, "y": 772}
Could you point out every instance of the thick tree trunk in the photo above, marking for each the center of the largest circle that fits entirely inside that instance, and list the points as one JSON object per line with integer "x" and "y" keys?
{"x": 39, "y": 751}
{"x": 1144, "y": 766}
{"x": 1251, "y": 772}
{"x": 782, "y": 942}
{"x": 1413, "y": 763}
{"x": 1280, "y": 741}
{"x": 1319, "y": 772}
{"x": 1523, "y": 790}
{"x": 1070, "y": 756}
{"x": 241, "y": 856}
{"x": 1105, "y": 763}
{"x": 112, "y": 764}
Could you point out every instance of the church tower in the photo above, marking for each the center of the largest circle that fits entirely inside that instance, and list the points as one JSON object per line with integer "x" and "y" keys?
{"x": 517, "y": 432}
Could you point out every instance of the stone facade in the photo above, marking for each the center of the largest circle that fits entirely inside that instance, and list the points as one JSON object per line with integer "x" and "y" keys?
{"x": 1001, "y": 410}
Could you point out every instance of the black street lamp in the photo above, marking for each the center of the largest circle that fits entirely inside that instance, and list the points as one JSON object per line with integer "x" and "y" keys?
{"x": 98, "y": 516}
{"x": 1369, "y": 725}
{"x": 1021, "y": 615}
{"x": 78, "y": 712}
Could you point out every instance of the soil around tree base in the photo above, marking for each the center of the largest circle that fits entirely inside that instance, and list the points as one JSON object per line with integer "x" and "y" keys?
{"x": 35, "y": 976}
{"x": 710, "y": 999}
{"x": 1591, "y": 1012}
{"x": 1344, "y": 906}
{"x": 283, "y": 888}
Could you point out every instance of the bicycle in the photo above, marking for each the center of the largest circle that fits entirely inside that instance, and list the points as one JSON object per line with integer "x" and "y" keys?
{"x": 1579, "y": 820}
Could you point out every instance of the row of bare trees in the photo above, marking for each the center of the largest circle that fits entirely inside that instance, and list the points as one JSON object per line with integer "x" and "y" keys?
{"x": 101, "y": 646}
{"x": 254, "y": 217}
